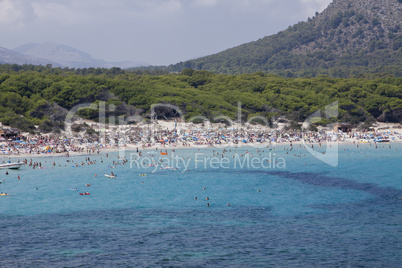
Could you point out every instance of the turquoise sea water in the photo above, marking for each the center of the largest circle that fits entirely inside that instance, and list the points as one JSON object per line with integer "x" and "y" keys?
{"x": 298, "y": 212}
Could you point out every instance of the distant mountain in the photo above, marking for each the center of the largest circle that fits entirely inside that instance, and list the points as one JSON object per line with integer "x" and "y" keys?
{"x": 349, "y": 37}
{"x": 12, "y": 57}
{"x": 68, "y": 56}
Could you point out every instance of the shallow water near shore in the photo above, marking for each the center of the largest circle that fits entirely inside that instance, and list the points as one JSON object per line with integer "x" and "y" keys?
{"x": 299, "y": 212}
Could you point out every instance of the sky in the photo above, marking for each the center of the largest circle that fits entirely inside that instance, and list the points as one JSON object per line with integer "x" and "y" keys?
{"x": 158, "y": 32}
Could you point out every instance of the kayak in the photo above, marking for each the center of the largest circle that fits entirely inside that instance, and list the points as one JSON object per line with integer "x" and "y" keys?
{"x": 86, "y": 193}
{"x": 110, "y": 176}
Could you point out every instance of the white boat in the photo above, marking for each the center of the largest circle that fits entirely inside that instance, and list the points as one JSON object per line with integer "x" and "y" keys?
{"x": 11, "y": 165}
{"x": 110, "y": 176}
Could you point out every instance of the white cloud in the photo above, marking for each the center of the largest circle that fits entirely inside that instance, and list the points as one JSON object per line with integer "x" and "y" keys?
{"x": 250, "y": 5}
{"x": 59, "y": 13}
{"x": 17, "y": 13}
{"x": 307, "y": 7}
{"x": 14, "y": 14}
{"x": 205, "y": 3}
{"x": 161, "y": 7}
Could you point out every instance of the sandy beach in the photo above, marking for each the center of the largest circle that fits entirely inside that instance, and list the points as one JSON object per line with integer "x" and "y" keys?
{"x": 165, "y": 135}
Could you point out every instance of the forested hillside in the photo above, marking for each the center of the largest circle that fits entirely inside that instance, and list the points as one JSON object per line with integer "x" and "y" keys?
{"x": 350, "y": 37}
{"x": 42, "y": 95}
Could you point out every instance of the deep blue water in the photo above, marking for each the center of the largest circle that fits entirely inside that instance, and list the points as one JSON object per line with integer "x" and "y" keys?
{"x": 306, "y": 214}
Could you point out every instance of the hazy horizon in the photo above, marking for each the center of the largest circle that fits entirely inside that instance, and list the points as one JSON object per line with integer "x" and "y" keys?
{"x": 159, "y": 32}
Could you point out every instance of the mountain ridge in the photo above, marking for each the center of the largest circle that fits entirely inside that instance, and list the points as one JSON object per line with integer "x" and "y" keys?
{"x": 69, "y": 56}
{"x": 348, "y": 37}
{"x": 12, "y": 57}
{"x": 58, "y": 55}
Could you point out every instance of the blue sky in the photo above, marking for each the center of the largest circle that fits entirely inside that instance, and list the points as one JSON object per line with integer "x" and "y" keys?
{"x": 159, "y": 32}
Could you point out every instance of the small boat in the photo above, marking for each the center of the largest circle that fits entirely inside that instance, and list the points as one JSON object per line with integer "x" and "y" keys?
{"x": 110, "y": 176}
{"x": 381, "y": 139}
{"x": 11, "y": 165}
{"x": 86, "y": 193}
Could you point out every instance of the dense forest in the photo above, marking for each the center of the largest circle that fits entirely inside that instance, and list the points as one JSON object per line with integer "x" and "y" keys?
{"x": 37, "y": 95}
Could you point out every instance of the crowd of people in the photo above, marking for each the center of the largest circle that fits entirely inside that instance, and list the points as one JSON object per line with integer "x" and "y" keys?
{"x": 195, "y": 137}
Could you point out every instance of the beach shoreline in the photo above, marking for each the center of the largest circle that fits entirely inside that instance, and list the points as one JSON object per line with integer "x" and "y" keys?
{"x": 170, "y": 148}
{"x": 168, "y": 136}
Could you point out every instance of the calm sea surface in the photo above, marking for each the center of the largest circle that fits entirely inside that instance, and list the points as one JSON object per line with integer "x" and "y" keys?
{"x": 287, "y": 209}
